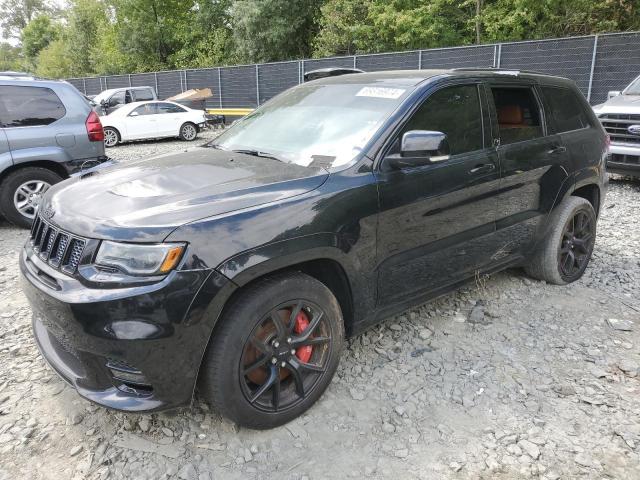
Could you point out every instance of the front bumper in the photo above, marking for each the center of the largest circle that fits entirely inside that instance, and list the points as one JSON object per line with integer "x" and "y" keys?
{"x": 624, "y": 159}
{"x": 159, "y": 331}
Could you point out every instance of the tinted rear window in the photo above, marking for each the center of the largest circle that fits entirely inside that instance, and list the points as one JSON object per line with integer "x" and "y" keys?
{"x": 566, "y": 109}
{"x": 29, "y": 106}
{"x": 142, "y": 95}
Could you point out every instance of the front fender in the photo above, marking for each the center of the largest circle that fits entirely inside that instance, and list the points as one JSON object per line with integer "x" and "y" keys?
{"x": 251, "y": 264}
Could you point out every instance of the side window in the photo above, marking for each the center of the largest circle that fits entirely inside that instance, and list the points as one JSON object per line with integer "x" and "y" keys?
{"x": 142, "y": 94}
{"x": 146, "y": 109}
{"x": 566, "y": 109}
{"x": 117, "y": 98}
{"x": 518, "y": 114}
{"x": 170, "y": 108}
{"x": 29, "y": 106}
{"x": 454, "y": 111}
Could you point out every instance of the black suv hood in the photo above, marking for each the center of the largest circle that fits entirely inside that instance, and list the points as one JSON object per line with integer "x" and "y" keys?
{"x": 144, "y": 201}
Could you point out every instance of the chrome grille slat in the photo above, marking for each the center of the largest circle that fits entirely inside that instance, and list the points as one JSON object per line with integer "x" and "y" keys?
{"x": 616, "y": 125}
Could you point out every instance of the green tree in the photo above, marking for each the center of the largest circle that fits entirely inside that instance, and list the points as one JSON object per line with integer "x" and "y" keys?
{"x": 85, "y": 20}
{"x": 207, "y": 39}
{"x": 16, "y": 14}
{"x": 269, "y": 30}
{"x": 54, "y": 61}
{"x": 148, "y": 30}
{"x": 341, "y": 27}
{"x": 37, "y": 35}
{"x": 10, "y": 58}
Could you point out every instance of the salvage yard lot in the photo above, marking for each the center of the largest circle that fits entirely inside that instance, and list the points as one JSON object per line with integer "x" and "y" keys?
{"x": 506, "y": 378}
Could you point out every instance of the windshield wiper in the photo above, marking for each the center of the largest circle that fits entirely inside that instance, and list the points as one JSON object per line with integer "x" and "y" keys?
{"x": 258, "y": 153}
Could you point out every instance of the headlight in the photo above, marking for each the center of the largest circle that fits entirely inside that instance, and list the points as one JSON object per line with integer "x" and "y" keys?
{"x": 140, "y": 259}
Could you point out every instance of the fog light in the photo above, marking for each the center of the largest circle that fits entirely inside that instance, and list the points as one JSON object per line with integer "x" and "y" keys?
{"x": 126, "y": 374}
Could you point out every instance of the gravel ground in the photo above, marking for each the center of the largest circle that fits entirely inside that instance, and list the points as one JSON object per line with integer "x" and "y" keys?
{"x": 506, "y": 378}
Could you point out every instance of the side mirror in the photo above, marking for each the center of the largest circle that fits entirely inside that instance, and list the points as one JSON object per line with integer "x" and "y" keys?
{"x": 613, "y": 93}
{"x": 420, "y": 147}
{"x": 134, "y": 114}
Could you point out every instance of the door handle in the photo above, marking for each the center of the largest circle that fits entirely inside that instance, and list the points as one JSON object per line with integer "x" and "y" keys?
{"x": 482, "y": 168}
{"x": 557, "y": 149}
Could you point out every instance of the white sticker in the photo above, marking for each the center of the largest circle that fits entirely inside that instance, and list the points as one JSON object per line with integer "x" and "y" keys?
{"x": 380, "y": 92}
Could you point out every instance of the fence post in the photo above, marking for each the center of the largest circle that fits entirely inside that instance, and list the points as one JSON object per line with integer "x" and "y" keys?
{"x": 593, "y": 66}
{"x": 220, "y": 87}
{"x": 129, "y": 79}
{"x": 419, "y": 59}
{"x": 301, "y": 78}
{"x": 84, "y": 84}
{"x": 498, "y": 64}
{"x": 354, "y": 62}
{"x": 257, "y": 87}
{"x": 155, "y": 75}
{"x": 186, "y": 83}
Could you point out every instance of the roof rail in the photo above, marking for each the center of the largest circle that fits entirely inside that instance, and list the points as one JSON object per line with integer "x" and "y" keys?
{"x": 497, "y": 70}
{"x": 329, "y": 72}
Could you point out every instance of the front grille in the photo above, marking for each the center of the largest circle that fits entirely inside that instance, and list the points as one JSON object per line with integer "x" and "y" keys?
{"x": 60, "y": 249}
{"x": 628, "y": 159}
{"x": 617, "y": 124}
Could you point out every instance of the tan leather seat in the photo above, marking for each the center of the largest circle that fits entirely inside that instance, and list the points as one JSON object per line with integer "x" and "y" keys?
{"x": 511, "y": 116}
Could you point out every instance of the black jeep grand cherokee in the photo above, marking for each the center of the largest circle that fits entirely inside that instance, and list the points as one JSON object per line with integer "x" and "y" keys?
{"x": 241, "y": 265}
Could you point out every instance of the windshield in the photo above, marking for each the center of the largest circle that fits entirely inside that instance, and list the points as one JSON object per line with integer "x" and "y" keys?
{"x": 634, "y": 88}
{"x": 325, "y": 124}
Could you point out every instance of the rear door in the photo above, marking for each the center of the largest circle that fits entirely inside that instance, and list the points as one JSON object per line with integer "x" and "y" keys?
{"x": 437, "y": 221}
{"x": 569, "y": 120}
{"x": 170, "y": 118}
{"x": 142, "y": 122}
{"x": 533, "y": 163}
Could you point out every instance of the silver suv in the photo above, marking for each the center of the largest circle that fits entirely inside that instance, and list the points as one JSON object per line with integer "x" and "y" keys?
{"x": 620, "y": 116}
{"x": 48, "y": 132}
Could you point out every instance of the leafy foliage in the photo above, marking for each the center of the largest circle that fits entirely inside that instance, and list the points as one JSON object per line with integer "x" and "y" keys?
{"x": 124, "y": 36}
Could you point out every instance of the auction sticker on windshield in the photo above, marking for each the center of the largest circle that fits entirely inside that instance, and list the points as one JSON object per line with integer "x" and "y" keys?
{"x": 380, "y": 92}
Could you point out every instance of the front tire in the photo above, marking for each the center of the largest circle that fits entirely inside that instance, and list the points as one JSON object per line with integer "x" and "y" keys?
{"x": 188, "y": 132}
{"x": 21, "y": 192}
{"x": 566, "y": 251}
{"x": 274, "y": 351}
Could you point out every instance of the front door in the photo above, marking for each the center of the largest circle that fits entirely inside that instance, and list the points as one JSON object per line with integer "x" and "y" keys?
{"x": 533, "y": 164}
{"x": 142, "y": 122}
{"x": 437, "y": 221}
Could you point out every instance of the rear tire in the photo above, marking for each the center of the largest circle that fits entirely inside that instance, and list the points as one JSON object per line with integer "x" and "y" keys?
{"x": 188, "y": 132}
{"x": 21, "y": 192}
{"x": 565, "y": 252}
{"x": 248, "y": 353}
{"x": 111, "y": 137}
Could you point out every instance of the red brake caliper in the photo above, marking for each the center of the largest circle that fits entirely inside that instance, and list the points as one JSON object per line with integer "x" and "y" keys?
{"x": 302, "y": 322}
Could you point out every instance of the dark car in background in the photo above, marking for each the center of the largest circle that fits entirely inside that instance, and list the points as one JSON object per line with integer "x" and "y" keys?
{"x": 110, "y": 100}
{"x": 241, "y": 266}
{"x": 48, "y": 132}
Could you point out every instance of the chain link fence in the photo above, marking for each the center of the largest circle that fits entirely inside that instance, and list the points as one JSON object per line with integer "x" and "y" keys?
{"x": 597, "y": 63}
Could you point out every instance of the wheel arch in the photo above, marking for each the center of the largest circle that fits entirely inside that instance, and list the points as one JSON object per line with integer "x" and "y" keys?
{"x": 322, "y": 264}
{"x": 47, "y": 164}
{"x": 591, "y": 193}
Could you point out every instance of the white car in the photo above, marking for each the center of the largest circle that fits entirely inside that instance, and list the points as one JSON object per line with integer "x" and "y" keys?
{"x": 154, "y": 119}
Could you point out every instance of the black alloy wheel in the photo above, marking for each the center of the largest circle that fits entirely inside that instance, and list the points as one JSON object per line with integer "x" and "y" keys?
{"x": 273, "y": 351}
{"x": 578, "y": 238}
{"x": 285, "y": 356}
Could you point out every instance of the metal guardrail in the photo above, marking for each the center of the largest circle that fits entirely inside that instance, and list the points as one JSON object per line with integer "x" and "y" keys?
{"x": 597, "y": 63}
